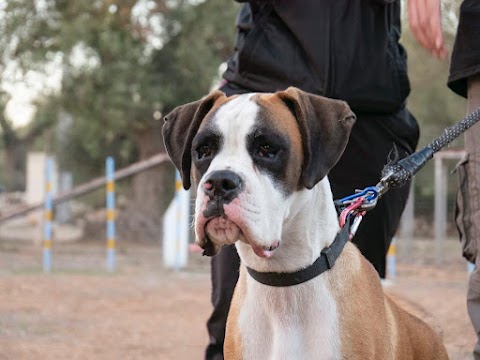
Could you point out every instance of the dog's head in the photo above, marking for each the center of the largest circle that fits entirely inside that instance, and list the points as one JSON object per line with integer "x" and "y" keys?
{"x": 249, "y": 154}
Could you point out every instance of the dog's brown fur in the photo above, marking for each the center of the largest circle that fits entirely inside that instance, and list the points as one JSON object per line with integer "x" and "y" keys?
{"x": 371, "y": 326}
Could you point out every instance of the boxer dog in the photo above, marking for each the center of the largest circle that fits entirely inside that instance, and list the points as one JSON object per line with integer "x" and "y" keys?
{"x": 260, "y": 164}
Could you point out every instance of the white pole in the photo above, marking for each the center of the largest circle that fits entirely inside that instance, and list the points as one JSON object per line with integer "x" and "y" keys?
{"x": 470, "y": 267}
{"x": 176, "y": 228}
{"x": 391, "y": 260}
{"x": 440, "y": 208}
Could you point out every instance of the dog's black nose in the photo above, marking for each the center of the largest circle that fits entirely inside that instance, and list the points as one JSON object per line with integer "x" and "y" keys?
{"x": 223, "y": 183}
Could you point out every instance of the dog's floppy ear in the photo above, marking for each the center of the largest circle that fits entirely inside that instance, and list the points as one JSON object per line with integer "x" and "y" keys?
{"x": 180, "y": 128}
{"x": 324, "y": 125}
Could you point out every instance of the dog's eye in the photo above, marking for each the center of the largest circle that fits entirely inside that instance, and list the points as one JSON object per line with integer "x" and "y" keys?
{"x": 266, "y": 151}
{"x": 204, "y": 151}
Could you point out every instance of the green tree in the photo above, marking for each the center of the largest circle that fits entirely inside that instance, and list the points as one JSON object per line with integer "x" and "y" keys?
{"x": 16, "y": 142}
{"x": 124, "y": 64}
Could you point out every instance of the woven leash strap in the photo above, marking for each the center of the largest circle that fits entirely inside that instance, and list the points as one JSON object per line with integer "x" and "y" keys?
{"x": 398, "y": 173}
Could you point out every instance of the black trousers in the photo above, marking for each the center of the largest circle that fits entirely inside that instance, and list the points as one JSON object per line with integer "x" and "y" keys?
{"x": 371, "y": 142}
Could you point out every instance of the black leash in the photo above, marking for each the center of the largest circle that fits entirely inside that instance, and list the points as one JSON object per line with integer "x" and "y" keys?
{"x": 352, "y": 208}
{"x": 399, "y": 173}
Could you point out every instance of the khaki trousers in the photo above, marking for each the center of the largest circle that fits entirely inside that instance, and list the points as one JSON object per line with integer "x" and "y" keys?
{"x": 471, "y": 212}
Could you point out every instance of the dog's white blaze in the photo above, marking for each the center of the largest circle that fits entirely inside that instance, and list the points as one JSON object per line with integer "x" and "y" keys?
{"x": 234, "y": 120}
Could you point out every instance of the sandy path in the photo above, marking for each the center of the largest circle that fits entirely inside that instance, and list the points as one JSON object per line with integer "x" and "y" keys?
{"x": 145, "y": 312}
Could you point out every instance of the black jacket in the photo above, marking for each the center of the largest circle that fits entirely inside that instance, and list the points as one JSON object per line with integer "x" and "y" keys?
{"x": 345, "y": 49}
{"x": 466, "y": 51}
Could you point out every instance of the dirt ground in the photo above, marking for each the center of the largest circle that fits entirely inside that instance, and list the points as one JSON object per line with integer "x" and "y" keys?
{"x": 143, "y": 311}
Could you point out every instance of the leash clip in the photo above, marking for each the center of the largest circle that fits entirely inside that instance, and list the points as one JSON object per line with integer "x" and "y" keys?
{"x": 356, "y": 223}
{"x": 357, "y": 208}
{"x": 368, "y": 197}
{"x": 350, "y": 210}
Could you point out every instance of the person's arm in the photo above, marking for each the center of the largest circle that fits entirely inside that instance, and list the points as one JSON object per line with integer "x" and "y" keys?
{"x": 424, "y": 17}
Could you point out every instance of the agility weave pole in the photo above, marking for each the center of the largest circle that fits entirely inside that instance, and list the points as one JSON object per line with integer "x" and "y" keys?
{"x": 110, "y": 202}
{"x": 48, "y": 204}
{"x": 48, "y": 214}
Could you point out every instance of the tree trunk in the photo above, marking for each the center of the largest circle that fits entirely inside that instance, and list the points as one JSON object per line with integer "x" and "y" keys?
{"x": 15, "y": 153}
{"x": 14, "y": 171}
{"x": 151, "y": 191}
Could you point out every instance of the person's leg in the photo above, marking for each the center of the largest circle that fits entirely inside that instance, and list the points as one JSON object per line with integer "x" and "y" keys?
{"x": 224, "y": 274}
{"x": 372, "y": 139}
{"x": 473, "y": 305}
{"x": 472, "y": 147}
{"x": 224, "y": 271}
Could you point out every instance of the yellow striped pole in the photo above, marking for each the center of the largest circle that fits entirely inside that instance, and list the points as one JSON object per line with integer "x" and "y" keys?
{"x": 48, "y": 216}
{"x": 110, "y": 187}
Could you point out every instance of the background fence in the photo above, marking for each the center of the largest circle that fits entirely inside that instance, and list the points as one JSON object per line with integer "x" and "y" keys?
{"x": 425, "y": 221}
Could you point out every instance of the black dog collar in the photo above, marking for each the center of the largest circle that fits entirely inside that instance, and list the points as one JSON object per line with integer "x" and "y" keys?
{"x": 325, "y": 261}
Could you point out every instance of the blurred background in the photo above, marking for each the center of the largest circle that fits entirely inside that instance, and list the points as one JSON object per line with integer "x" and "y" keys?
{"x": 87, "y": 79}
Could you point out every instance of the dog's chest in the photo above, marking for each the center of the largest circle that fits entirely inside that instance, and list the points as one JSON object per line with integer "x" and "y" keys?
{"x": 298, "y": 322}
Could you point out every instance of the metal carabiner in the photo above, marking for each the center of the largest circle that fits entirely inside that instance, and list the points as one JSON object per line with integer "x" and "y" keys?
{"x": 356, "y": 223}
{"x": 350, "y": 209}
{"x": 360, "y": 193}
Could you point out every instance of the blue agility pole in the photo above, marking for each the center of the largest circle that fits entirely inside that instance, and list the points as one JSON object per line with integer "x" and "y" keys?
{"x": 110, "y": 187}
{"x": 48, "y": 216}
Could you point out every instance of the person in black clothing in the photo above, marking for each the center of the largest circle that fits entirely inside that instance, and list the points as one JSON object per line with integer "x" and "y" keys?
{"x": 343, "y": 49}
{"x": 464, "y": 80}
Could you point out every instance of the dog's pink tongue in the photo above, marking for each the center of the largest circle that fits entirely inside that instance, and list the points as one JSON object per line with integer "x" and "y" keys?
{"x": 262, "y": 252}
{"x": 265, "y": 253}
